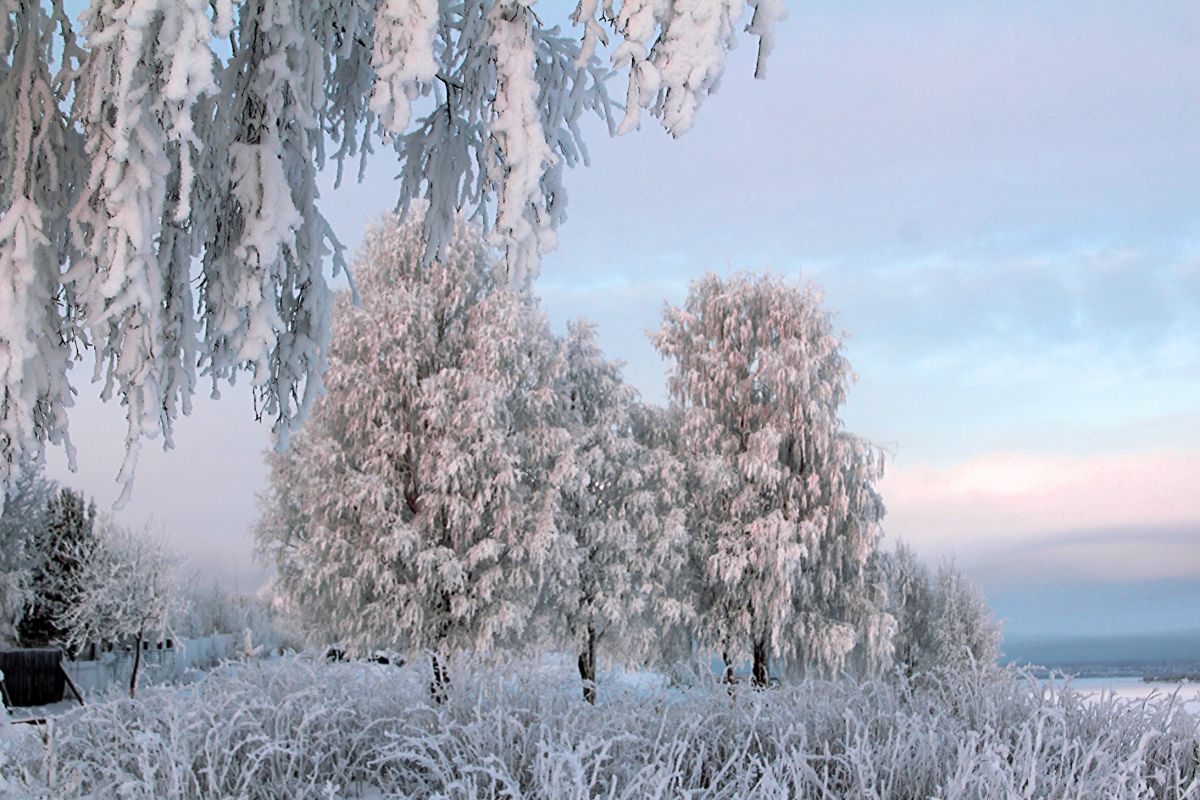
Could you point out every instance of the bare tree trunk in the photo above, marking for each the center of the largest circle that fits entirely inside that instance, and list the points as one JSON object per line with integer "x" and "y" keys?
{"x": 440, "y": 685}
{"x": 728, "y": 667}
{"x": 137, "y": 664}
{"x": 762, "y": 668}
{"x": 587, "y": 667}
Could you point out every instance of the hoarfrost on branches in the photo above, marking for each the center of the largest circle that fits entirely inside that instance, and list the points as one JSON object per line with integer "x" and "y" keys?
{"x": 122, "y": 589}
{"x": 622, "y": 509}
{"x": 416, "y": 510}
{"x": 38, "y": 165}
{"x": 184, "y": 132}
{"x": 944, "y": 621}
{"x": 783, "y": 506}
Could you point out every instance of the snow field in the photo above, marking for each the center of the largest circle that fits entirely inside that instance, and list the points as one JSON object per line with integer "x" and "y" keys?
{"x": 302, "y": 729}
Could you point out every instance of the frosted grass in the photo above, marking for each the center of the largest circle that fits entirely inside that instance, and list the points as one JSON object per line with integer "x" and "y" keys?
{"x": 301, "y": 729}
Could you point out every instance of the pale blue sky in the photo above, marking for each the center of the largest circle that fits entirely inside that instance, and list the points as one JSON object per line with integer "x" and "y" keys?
{"x": 1001, "y": 203}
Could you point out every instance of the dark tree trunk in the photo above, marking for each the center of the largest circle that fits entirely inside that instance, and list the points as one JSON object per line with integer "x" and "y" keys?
{"x": 587, "y": 667}
{"x": 440, "y": 685}
{"x": 762, "y": 668}
{"x": 728, "y": 667}
{"x": 137, "y": 664}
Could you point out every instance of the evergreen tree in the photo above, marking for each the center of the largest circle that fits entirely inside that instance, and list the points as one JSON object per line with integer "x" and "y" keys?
{"x": 70, "y": 534}
{"x": 22, "y": 522}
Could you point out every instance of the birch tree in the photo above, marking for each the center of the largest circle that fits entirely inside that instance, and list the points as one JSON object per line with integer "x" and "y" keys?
{"x": 782, "y": 501}
{"x": 152, "y": 135}
{"x": 122, "y": 591}
{"x": 622, "y": 511}
{"x": 418, "y": 508}
{"x": 944, "y": 621}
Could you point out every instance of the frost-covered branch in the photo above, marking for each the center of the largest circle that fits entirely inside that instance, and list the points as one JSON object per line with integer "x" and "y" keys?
{"x": 191, "y": 132}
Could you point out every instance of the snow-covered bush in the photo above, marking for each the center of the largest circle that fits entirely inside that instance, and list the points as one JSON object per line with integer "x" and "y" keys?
{"x": 312, "y": 730}
{"x": 123, "y": 590}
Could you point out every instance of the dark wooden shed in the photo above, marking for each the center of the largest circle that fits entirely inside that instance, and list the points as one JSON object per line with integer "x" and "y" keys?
{"x": 33, "y": 677}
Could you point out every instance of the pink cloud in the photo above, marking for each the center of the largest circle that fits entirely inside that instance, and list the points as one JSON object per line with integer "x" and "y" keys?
{"x": 1117, "y": 517}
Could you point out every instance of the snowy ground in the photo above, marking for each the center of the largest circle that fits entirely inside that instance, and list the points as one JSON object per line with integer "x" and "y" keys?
{"x": 1133, "y": 687}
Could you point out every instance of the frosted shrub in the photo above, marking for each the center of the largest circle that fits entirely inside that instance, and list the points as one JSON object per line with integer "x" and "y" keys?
{"x": 313, "y": 730}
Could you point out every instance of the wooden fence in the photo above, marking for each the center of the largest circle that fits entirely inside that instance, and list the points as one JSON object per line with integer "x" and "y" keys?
{"x": 33, "y": 677}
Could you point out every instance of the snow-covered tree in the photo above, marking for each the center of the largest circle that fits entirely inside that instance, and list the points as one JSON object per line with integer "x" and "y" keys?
{"x": 418, "y": 508}
{"x": 23, "y": 519}
{"x": 842, "y": 617}
{"x": 964, "y": 630}
{"x": 67, "y": 534}
{"x": 782, "y": 502}
{"x": 910, "y": 600}
{"x": 123, "y": 590}
{"x": 943, "y": 619}
{"x": 166, "y": 133}
{"x": 622, "y": 510}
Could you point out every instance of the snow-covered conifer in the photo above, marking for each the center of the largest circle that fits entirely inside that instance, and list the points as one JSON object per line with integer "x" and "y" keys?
{"x": 622, "y": 509}
{"x": 782, "y": 502}
{"x": 417, "y": 509}
{"x": 66, "y": 533}
{"x": 23, "y": 518}
{"x": 186, "y": 131}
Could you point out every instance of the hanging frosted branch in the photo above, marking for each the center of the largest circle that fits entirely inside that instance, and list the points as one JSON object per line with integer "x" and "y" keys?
{"x": 169, "y": 155}
{"x": 403, "y": 59}
{"x": 264, "y": 295}
{"x": 508, "y": 100}
{"x": 521, "y": 158}
{"x": 767, "y": 16}
{"x": 674, "y": 51}
{"x": 39, "y": 155}
{"x": 149, "y": 63}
